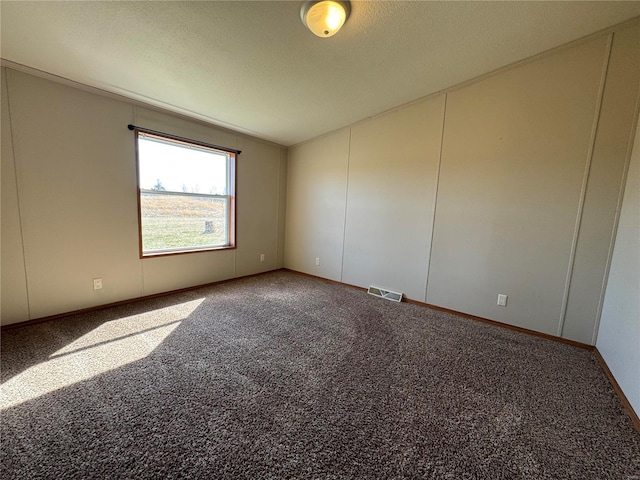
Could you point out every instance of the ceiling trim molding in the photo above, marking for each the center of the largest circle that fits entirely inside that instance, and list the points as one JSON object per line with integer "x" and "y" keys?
{"x": 144, "y": 102}
{"x": 565, "y": 46}
{"x": 163, "y": 107}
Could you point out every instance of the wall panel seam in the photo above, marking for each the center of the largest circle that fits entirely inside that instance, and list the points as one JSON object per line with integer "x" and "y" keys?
{"x": 585, "y": 181}
{"x": 15, "y": 179}
{"x": 435, "y": 197}
{"x": 346, "y": 206}
{"x": 616, "y": 220}
{"x": 278, "y": 186}
{"x": 282, "y": 198}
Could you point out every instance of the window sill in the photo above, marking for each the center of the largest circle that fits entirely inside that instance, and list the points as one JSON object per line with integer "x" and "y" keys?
{"x": 167, "y": 253}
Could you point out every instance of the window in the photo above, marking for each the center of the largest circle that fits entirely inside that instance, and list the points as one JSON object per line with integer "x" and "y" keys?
{"x": 186, "y": 195}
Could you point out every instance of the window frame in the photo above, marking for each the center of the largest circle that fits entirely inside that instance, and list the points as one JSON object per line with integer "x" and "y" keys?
{"x": 232, "y": 159}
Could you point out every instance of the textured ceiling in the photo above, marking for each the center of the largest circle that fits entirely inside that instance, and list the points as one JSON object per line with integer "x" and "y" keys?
{"x": 253, "y": 67}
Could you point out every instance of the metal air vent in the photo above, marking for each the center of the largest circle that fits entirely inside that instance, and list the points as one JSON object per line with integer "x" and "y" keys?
{"x": 386, "y": 294}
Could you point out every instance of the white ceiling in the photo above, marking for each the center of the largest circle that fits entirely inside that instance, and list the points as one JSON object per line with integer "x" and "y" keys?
{"x": 252, "y": 66}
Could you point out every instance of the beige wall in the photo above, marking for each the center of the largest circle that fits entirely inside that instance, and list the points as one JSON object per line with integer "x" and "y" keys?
{"x": 619, "y": 333}
{"x": 393, "y": 169}
{"x": 15, "y": 304}
{"x": 610, "y": 155}
{"x": 68, "y": 163}
{"x": 316, "y": 189}
{"x": 514, "y": 152}
{"x": 523, "y": 186}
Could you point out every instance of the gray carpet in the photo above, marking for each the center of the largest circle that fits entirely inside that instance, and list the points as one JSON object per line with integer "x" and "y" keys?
{"x": 285, "y": 376}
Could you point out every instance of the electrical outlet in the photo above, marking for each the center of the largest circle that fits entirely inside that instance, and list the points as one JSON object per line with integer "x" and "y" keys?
{"x": 262, "y": 257}
{"x": 317, "y": 260}
{"x": 97, "y": 283}
{"x": 502, "y": 300}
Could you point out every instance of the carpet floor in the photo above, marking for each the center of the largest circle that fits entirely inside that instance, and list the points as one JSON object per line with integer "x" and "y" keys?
{"x": 285, "y": 376}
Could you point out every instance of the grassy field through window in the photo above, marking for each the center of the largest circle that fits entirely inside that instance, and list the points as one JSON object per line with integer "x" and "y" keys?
{"x": 177, "y": 221}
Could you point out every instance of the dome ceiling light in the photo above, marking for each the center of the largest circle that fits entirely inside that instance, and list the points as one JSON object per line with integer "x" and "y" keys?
{"x": 325, "y": 17}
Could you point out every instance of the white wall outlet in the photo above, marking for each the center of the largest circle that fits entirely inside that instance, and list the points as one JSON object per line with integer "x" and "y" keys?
{"x": 97, "y": 283}
{"x": 317, "y": 260}
{"x": 502, "y": 300}
{"x": 262, "y": 257}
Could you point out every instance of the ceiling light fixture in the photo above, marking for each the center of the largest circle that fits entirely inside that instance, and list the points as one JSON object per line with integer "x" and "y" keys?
{"x": 325, "y": 17}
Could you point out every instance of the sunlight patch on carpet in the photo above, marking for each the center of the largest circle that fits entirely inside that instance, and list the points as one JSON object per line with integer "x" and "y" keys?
{"x": 112, "y": 345}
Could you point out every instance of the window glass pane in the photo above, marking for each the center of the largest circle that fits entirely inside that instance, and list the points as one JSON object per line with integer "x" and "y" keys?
{"x": 182, "y": 221}
{"x": 187, "y": 195}
{"x": 171, "y": 167}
